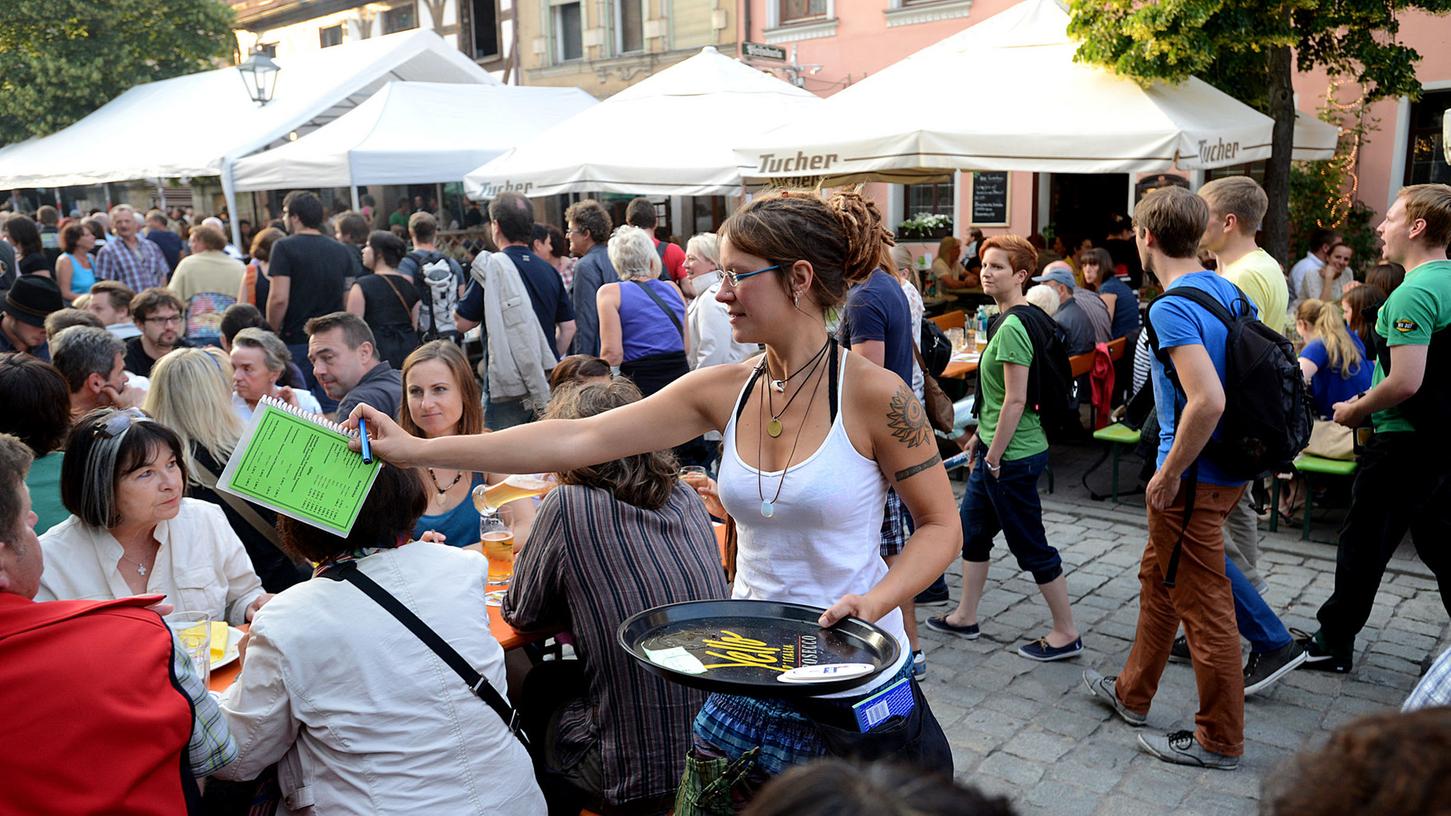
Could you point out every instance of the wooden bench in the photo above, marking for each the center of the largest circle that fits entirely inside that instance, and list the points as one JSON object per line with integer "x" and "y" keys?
{"x": 950, "y": 320}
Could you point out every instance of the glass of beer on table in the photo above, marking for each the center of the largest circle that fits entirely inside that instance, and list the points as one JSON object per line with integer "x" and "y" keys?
{"x": 694, "y": 475}
{"x": 498, "y": 544}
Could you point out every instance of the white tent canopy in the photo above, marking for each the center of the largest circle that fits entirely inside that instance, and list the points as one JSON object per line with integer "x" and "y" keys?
{"x": 189, "y": 125}
{"x": 1035, "y": 110}
{"x": 199, "y": 124}
{"x": 670, "y": 134}
{"x": 413, "y": 133}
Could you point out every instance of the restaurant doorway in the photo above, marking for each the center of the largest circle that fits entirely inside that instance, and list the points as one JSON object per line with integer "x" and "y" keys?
{"x": 1081, "y": 205}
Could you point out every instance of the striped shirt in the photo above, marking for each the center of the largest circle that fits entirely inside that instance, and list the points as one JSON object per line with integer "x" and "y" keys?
{"x": 211, "y": 745}
{"x": 590, "y": 563}
{"x": 141, "y": 268}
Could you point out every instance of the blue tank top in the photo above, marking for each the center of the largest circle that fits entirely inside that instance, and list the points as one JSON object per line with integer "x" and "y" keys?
{"x": 82, "y": 277}
{"x": 644, "y": 328}
{"x": 459, "y": 525}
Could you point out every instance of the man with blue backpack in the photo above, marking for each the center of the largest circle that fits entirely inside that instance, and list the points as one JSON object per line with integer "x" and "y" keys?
{"x": 1230, "y": 403}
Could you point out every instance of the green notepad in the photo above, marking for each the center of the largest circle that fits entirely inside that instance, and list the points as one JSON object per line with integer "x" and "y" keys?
{"x": 299, "y": 465}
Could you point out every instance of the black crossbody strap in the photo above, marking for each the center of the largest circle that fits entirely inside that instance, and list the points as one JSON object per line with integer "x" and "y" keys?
{"x": 477, "y": 683}
{"x": 663, "y": 307}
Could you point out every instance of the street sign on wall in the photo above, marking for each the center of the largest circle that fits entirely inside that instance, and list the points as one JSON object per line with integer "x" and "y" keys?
{"x": 763, "y": 51}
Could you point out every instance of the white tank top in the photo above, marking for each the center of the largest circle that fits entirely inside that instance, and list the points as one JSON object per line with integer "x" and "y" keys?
{"x": 823, "y": 539}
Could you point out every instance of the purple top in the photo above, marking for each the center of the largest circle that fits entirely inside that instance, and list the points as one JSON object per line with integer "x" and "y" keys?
{"x": 645, "y": 330}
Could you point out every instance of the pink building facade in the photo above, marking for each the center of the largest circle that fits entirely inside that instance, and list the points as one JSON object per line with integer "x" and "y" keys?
{"x": 831, "y": 44}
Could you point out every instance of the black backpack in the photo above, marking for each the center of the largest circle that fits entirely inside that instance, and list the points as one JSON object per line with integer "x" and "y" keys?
{"x": 936, "y": 349}
{"x": 1428, "y": 408}
{"x": 1268, "y": 412}
{"x": 1050, "y": 377}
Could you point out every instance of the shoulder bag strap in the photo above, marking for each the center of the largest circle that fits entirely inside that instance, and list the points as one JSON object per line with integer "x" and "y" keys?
{"x": 664, "y": 307}
{"x": 401, "y": 301}
{"x": 477, "y": 683}
{"x": 268, "y": 531}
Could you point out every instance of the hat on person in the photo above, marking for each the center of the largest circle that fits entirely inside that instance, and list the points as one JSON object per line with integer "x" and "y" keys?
{"x": 31, "y": 298}
{"x": 1057, "y": 272}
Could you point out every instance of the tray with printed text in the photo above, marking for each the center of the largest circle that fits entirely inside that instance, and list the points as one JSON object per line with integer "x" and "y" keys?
{"x": 758, "y": 648}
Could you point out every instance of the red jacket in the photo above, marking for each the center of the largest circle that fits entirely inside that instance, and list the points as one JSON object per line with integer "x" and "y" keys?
{"x": 95, "y": 722}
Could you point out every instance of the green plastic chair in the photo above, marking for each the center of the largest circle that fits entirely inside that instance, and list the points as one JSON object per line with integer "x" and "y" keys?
{"x": 1117, "y": 435}
{"x": 1309, "y": 466}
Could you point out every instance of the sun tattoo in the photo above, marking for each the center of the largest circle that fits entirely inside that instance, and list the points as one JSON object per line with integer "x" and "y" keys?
{"x": 907, "y": 419}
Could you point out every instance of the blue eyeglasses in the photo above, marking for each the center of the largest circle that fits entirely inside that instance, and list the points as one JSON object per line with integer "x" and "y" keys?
{"x": 734, "y": 278}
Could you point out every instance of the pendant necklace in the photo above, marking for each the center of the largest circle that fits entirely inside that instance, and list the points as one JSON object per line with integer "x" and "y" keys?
{"x": 140, "y": 567}
{"x": 779, "y": 386}
{"x": 447, "y": 487}
{"x": 768, "y": 506}
{"x": 773, "y": 427}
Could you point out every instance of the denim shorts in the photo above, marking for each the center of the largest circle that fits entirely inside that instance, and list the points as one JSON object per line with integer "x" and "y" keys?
{"x": 1008, "y": 503}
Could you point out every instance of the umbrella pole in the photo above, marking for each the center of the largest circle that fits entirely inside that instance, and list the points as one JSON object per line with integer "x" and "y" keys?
{"x": 356, "y": 207}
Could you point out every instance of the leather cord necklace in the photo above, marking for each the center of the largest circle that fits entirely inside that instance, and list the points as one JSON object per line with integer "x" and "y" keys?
{"x": 779, "y": 386}
{"x": 768, "y": 506}
{"x": 774, "y": 426}
{"x": 442, "y": 490}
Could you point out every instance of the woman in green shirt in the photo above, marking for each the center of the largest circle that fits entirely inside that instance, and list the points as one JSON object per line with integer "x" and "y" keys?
{"x": 38, "y": 412}
{"x": 1007, "y": 455}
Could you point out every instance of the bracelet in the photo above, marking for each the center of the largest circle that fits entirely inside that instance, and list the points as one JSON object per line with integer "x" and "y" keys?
{"x": 992, "y": 467}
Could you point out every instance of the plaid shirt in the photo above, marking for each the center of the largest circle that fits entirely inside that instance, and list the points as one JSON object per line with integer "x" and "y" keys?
{"x": 139, "y": 268}
{"x": 1435, "y": 688}
{"x": 211, "y": 745}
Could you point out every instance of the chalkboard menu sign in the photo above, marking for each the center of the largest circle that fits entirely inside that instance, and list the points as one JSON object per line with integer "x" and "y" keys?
{"x": 990, "y": 199}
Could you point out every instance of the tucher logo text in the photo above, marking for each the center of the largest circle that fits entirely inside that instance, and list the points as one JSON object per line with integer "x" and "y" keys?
{"x": 801, "y": 162}
{"x": 1217, "y": 152}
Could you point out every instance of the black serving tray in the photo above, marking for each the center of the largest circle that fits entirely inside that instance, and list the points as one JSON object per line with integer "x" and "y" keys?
{"x": 746, "y": 645}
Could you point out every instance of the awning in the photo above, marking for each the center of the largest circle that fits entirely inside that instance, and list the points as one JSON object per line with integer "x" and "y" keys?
{"x": 1030, "y": 107}
{"x": 670, "y": 134}
{"x": 190, "y": 125}
{"x": 413, "y": 133}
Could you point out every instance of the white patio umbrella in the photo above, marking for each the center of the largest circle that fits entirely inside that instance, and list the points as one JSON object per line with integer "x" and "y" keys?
{"x": 670, "y": 134}
{"x": 413, "y": 133}
{"x": 1031, "y": 108}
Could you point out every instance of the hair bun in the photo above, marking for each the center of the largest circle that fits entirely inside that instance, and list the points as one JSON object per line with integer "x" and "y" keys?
{"x": 866, "y": 237}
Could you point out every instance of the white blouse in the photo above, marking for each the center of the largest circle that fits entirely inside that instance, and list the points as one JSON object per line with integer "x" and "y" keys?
{"x": 201, "y": 566}
{"x": 709, "y": 327}
{"x": 360, "y": 716}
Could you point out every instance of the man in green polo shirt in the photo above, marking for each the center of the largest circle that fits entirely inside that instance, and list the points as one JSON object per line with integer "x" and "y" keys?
{"x": 1404, "y": 478}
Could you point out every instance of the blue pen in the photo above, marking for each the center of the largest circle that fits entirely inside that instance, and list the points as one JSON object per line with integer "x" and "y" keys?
{"x": 363, "y": 440}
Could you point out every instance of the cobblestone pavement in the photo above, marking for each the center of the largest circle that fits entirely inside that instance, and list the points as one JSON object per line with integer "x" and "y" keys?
{"x": 1031, "y": 732}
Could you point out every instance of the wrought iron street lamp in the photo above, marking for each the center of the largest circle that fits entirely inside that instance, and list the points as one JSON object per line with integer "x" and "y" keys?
{"x": 259, "y": 74}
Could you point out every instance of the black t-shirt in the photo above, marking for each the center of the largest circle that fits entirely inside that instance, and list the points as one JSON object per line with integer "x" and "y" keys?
{"x": 138, "y": 362}
{"x": 276, "y": 571}
{"x": 35, "y": 263}
{"x": 388, "y": 301}
{"x": 318, "y": 264}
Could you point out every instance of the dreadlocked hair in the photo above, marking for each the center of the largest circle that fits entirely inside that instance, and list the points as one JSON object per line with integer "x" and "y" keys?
{"x": 842, "y": 237}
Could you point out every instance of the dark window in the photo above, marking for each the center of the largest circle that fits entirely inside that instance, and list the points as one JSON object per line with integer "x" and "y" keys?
{"x": 330, "y": 36}
{"x": 400, "y": 18}
{"x": 632, "y": 26}
{"x": 1425, "y": 155}
{"x": 928, "y": 199}
{"x": 270, "y": 49}
{"x": 485, "y": 24}
{"x": 794, "y": 11}
{"x": 568, "y": 42}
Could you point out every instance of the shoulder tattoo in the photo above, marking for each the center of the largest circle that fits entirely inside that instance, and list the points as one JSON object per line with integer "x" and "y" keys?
{"x": 908, "y": 419}
{"x": 903, "y": 475}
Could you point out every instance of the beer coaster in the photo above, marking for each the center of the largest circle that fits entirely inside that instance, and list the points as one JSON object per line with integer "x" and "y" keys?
{"x": 760, "y": 648}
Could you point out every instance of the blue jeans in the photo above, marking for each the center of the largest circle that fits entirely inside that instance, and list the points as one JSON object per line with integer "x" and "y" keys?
{"x": 1008, "y": 502}
{"x": 1258, "y": 624}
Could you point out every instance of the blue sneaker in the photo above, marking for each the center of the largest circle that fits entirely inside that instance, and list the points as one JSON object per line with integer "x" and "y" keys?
{"x": 919, "y": 664}
{"x": 941, "y": 624}
{"x": 1041, "y": 651}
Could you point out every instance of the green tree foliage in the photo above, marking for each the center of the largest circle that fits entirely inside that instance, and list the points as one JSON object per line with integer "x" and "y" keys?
{"x": 1247, "y": 48}
{"x": 62, "y": 59}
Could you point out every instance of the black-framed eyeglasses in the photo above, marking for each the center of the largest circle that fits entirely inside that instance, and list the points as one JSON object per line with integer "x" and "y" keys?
{"x": 164, "y": 320}
{"x": 734, "y": 278}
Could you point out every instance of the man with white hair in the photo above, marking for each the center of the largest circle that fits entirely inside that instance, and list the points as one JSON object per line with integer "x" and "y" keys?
{"x": 135, "y": 262}
{"x": 1077, "y": 325}
{"x": 231, "y": 249}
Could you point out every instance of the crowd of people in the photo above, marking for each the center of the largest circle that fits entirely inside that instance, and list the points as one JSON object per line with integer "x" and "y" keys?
{"x": 783, "y": 354}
